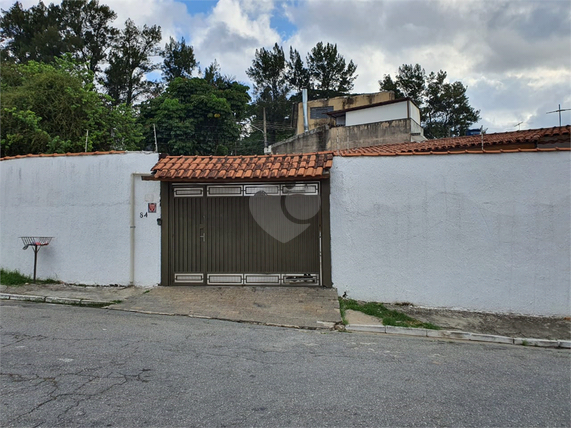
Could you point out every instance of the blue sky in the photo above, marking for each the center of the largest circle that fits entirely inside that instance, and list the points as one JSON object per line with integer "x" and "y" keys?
{"x": 514, "y": 56}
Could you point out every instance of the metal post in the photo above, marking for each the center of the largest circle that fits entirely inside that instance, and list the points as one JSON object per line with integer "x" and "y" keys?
{"x": 156, "y": 145}
{"x": 265, "y": 134}
{"x": 36, "y": 249}
{"x": 304, "y": 108}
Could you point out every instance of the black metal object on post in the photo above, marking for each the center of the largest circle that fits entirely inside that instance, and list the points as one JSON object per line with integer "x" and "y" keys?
{"x": 36, "y": 243}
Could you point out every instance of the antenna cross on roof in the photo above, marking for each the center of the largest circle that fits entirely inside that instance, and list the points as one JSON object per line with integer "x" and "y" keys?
{"x": 559, "y": 110}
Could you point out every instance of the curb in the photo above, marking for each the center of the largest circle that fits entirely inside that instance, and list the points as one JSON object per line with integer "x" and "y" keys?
{"x": 461, "y": 335}
{"x": 322, "y": 325}
{"x": 60, "y": 300}
{"x": 386, "y": 329}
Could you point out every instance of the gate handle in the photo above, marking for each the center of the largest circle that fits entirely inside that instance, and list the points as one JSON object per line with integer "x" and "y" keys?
{"x": 203, "y": 236}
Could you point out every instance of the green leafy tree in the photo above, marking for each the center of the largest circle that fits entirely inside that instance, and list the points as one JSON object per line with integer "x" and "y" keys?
{"x": 330, "y": 75}
{"x": 87, "y": 30}
{"x": 31, "y": 34}
{"x": 178, "y": 60}
{"x": 129, "y": 62}
{"x": 53, "y": 108}
{"x": 42, "y": 33}
{"x": 445, "y": 108}
{"x": 196, "y": 116}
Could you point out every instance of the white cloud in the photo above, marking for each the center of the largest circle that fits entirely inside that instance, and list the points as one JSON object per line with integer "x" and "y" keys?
{"x": 514, "y": 56}
{"x": 232, "y": 33}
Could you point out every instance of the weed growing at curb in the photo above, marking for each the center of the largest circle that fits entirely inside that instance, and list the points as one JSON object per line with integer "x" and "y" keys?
{"x": 388, "y": 316}
{"x": 14, "y": 278}
{"x": 342, "y": 311}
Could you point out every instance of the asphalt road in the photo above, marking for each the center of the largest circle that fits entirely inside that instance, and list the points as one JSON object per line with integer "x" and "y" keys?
{"x": 71, "y": 366}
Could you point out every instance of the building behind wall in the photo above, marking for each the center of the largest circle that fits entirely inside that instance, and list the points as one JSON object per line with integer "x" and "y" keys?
{"x": 353, "y": 121}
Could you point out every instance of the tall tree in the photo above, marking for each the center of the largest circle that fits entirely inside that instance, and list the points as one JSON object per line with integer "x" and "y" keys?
{"x": 298, "y": 74}
{"x": 447, "y": 111}
{"x": 411, "y": 82}
{"x": 33, "y": 34}
{"x": 178, "y": 60}
{"x": 87, "y": 30}
{"x": 330, "y": 74}
{"x": 42, "y": 33}
{"x": 269, "y": 72}
{"x": 445, "y": 108}
{"x": 129, "y": 61}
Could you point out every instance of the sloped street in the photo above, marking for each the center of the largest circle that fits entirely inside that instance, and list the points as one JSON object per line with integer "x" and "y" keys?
{"x": 73, "y": 366}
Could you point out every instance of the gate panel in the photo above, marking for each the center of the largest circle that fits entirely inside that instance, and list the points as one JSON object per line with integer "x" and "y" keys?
{"x": 187, "y": 228}
{"x": 274, "y": 242}
{"x": 245, "y": 234}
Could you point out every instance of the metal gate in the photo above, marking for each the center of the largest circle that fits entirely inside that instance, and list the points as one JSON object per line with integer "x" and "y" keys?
{"x": 245, "y": 234}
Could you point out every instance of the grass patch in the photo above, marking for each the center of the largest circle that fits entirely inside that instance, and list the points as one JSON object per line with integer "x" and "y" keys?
{"x": 388, "y": 316}
{"x": 15, "y": 278}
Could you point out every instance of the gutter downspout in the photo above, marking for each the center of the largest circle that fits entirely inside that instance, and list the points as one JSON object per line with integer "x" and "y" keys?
{"x": 304, "y": 107}
{"x": 132, "y": 226}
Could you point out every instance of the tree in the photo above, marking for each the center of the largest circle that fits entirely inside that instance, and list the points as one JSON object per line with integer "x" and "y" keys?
{"x": 444, "y": 106}
{"x": 196, "y": 116}
{"x": 178, "y": 60}
{"x": 447, "y": 110}
{"x": 269, "y": 72}
{"x": 411, "y": 82}
{"x": 79, "y": 27}
{"x": 129, "y": 61}
{"x": 330, "y": 75}
{"x": 87, "y": 31}
{"x": 33, "y": 34}
{"x": 53, "y": 108}
{"x": 298, "y": 74}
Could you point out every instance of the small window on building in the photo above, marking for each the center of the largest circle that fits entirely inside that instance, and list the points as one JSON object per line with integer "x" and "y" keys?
{"x": 340, "y": 120}
{"x": 319, "y": 112}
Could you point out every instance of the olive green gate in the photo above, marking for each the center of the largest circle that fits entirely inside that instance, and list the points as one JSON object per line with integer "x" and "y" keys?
{"x": 244, "y": 234}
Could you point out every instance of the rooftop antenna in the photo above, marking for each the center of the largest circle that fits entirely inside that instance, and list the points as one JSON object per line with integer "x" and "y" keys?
{"x": 559, "y": 110}
{"x": 518, "y": 126}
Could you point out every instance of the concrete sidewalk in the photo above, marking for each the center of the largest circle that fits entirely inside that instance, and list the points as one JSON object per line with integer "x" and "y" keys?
{"x": 303, "y": 307}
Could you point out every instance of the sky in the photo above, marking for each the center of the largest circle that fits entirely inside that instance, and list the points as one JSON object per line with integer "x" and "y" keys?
{"x": 513, "y": 56}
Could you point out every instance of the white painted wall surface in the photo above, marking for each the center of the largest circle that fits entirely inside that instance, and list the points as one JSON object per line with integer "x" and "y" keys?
{"x": 382, "y": 113}
{"x": 414, "y": 112}
{"x": 480, "y": 232}
{"x": 84, "y": 203}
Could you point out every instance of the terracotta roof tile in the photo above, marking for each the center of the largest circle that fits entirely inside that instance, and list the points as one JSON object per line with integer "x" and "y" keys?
{"x": 559, "y": 134}
{"x": 224, "y": 168}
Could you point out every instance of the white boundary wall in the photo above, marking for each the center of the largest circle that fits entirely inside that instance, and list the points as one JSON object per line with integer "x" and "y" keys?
{"x": 84, "y": 202}
{"x": 479, "y": 232}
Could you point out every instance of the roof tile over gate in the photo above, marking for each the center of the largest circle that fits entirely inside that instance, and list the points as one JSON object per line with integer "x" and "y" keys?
{"x": 219, "y": 168}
